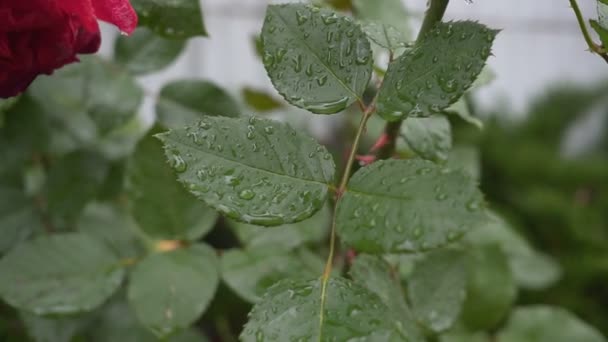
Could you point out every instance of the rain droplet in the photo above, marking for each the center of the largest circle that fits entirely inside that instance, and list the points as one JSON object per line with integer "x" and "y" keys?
{"x": 178, "y": 163}
{"x": 247, "y": 194}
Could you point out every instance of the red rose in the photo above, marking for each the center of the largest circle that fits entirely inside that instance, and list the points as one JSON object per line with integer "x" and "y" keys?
{"x": 39, "y": 36}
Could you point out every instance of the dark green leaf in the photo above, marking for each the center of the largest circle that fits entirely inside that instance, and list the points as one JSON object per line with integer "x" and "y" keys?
{"x": 18, "y": 218}
{"x": 290, "y": 311}
{"x": 169, "y": 291}
{"x": 286, "y": 236}
{"x": 54, "y": 329}
{"x": 260, "y": 100}
{"x": 72, "y": 182}
{"x": 407, "y": 205}
{"x": 111, "y": 224}
{"x": 542, "y": 323}
{"x": 176, "y": 19}
{"x": 59, "y": 274}
{"x": 182, "y": 103}
{"x": 144, "y": 52}
{"x": 380, "y": 278}
{"x": 160, "y": 204}
{"x": 437, "y": 288}
{"x": 250, "y": 272}
{"x": 316, "y": 59}
{"x": 436, "y": 72}
{"x": 430, "y": 138}
{"x": 253, "y": 170}
{"x": 491, "y": 289}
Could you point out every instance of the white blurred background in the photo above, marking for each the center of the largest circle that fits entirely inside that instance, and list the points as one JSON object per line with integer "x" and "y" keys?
{"x": 540, "y": 45}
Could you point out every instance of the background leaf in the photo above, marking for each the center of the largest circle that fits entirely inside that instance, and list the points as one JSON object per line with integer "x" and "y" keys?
{"x": 407, "y": 205}
{"x": 182, "y": 103}
{"x": 169, "y": 291}
{"x": 144, "y": 52}
{"x": 59, "y": 274}
{"x": 163, "y": 208}
{"x": 176, "y": 19}
{"x": 253, "y": 170}
{"x": 316, "y": 59}
{"x": 430, "y": 138}
{"x": 436, "y": 72}
{"x": 19, "y": 218}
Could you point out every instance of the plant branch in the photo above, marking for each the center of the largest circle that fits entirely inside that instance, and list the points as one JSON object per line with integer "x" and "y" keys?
{"x": 593, "y": 47}
{"x": 433, "y": 15}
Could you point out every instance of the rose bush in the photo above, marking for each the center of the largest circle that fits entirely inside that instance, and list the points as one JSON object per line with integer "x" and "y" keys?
{"x": 39, "y": 36}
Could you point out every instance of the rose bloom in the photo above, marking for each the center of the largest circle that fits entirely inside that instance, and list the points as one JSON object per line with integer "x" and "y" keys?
{"x": 39, "y": 36}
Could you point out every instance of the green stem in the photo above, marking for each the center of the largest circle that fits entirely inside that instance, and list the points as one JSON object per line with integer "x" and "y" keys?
{"x": 432, "y": 16}
{"x": 581, "y": 22}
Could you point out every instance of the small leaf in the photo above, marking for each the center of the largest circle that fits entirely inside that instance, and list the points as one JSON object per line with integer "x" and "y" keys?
{"x": 59, "y": 274}
{"x": 290, "y": 311}
{"x": 316, "y": 59}
{"x": 253, "y": 170}
{"x": 601, "y": 32}
{"x": 430, "y": 138}
{"x": 491, "y": 289}
{"x": 541, "y": 323}
{"x": 388, "y": 12}
{"x": 18, "y": 218}
{"x": 377, "y": 276}
{"x": 437, "y": 288}
{"x": 436, "y": 72}
{"x": 260, "y": 100}
{"x": 182, "y": 103}
{"x": 407, "y": 205}
{"x": 159, "y": 203}
{"x": 385, "y": 35}
{"x": 250, "y": 272}
{"x": 176, "y": 19}
{"x": 144, "y": 52}
{"x": 286, "y": 236}
{"x": 169, "y": 291}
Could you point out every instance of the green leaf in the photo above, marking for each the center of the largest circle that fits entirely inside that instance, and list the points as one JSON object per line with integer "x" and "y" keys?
{"x": 388, "y": 12}
{"x": 18, "y": 218}
{"x": 437, "y": 288}
{"x": 144, "y": 52}
{"x": 54, "y": 329}
{"x": 175, "y": 19}
{"x": 467, "y": 159}
{"x": 290, "y": 311}
{"x": 286, "y": 236}
{"x": 491, "y": 289}
{"x": 182, "y": 103}
{"x": 169, "y": 291}
{"x": 385, "y": 35}
{"x": 110, "y": 223}
{"x": 151, "y": 183}
{"x": 59, "y": 274}
{"x": 260, "y": 100}
{"x": 436, "y": 72}
{"x": 541, "y": 323}
{"x": 316, "y": 59}
{"x": 461, "y": 336}
{"x": 407, "y": 205}
{"x": 531, "y": 269}
{"x": 461, "y": 109}
{"x": 253, "y": 170}
{"x": 430, "y": 138}
{"x": 379, "y": 277}
{"x": 249, "y": 272}
{"x": 72, "y": 182}
{"x": 601, "y": 32}
{"x": 86, "y": 102}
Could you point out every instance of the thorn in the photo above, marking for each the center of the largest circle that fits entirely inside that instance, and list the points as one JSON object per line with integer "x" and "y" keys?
{"x": 365, "y": 159}
{"x": 381, "y": 142}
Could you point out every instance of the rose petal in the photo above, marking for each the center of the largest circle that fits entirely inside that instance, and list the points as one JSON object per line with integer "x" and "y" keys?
{"x": 81, "y": 9}
{"x": 117, "y": 12}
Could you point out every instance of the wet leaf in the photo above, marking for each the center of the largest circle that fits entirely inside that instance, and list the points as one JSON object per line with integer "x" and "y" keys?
{"x": 387, "y": 12}
{"x": 176, "y": 19}
{"x": 316, "y": 59}
{"x": 407, "y": 205}
{"x": 436, "y": 72}
{"x": 253, "y": 170}
{"x": 385, "y": 35}
{"x": 430, "y": 138}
